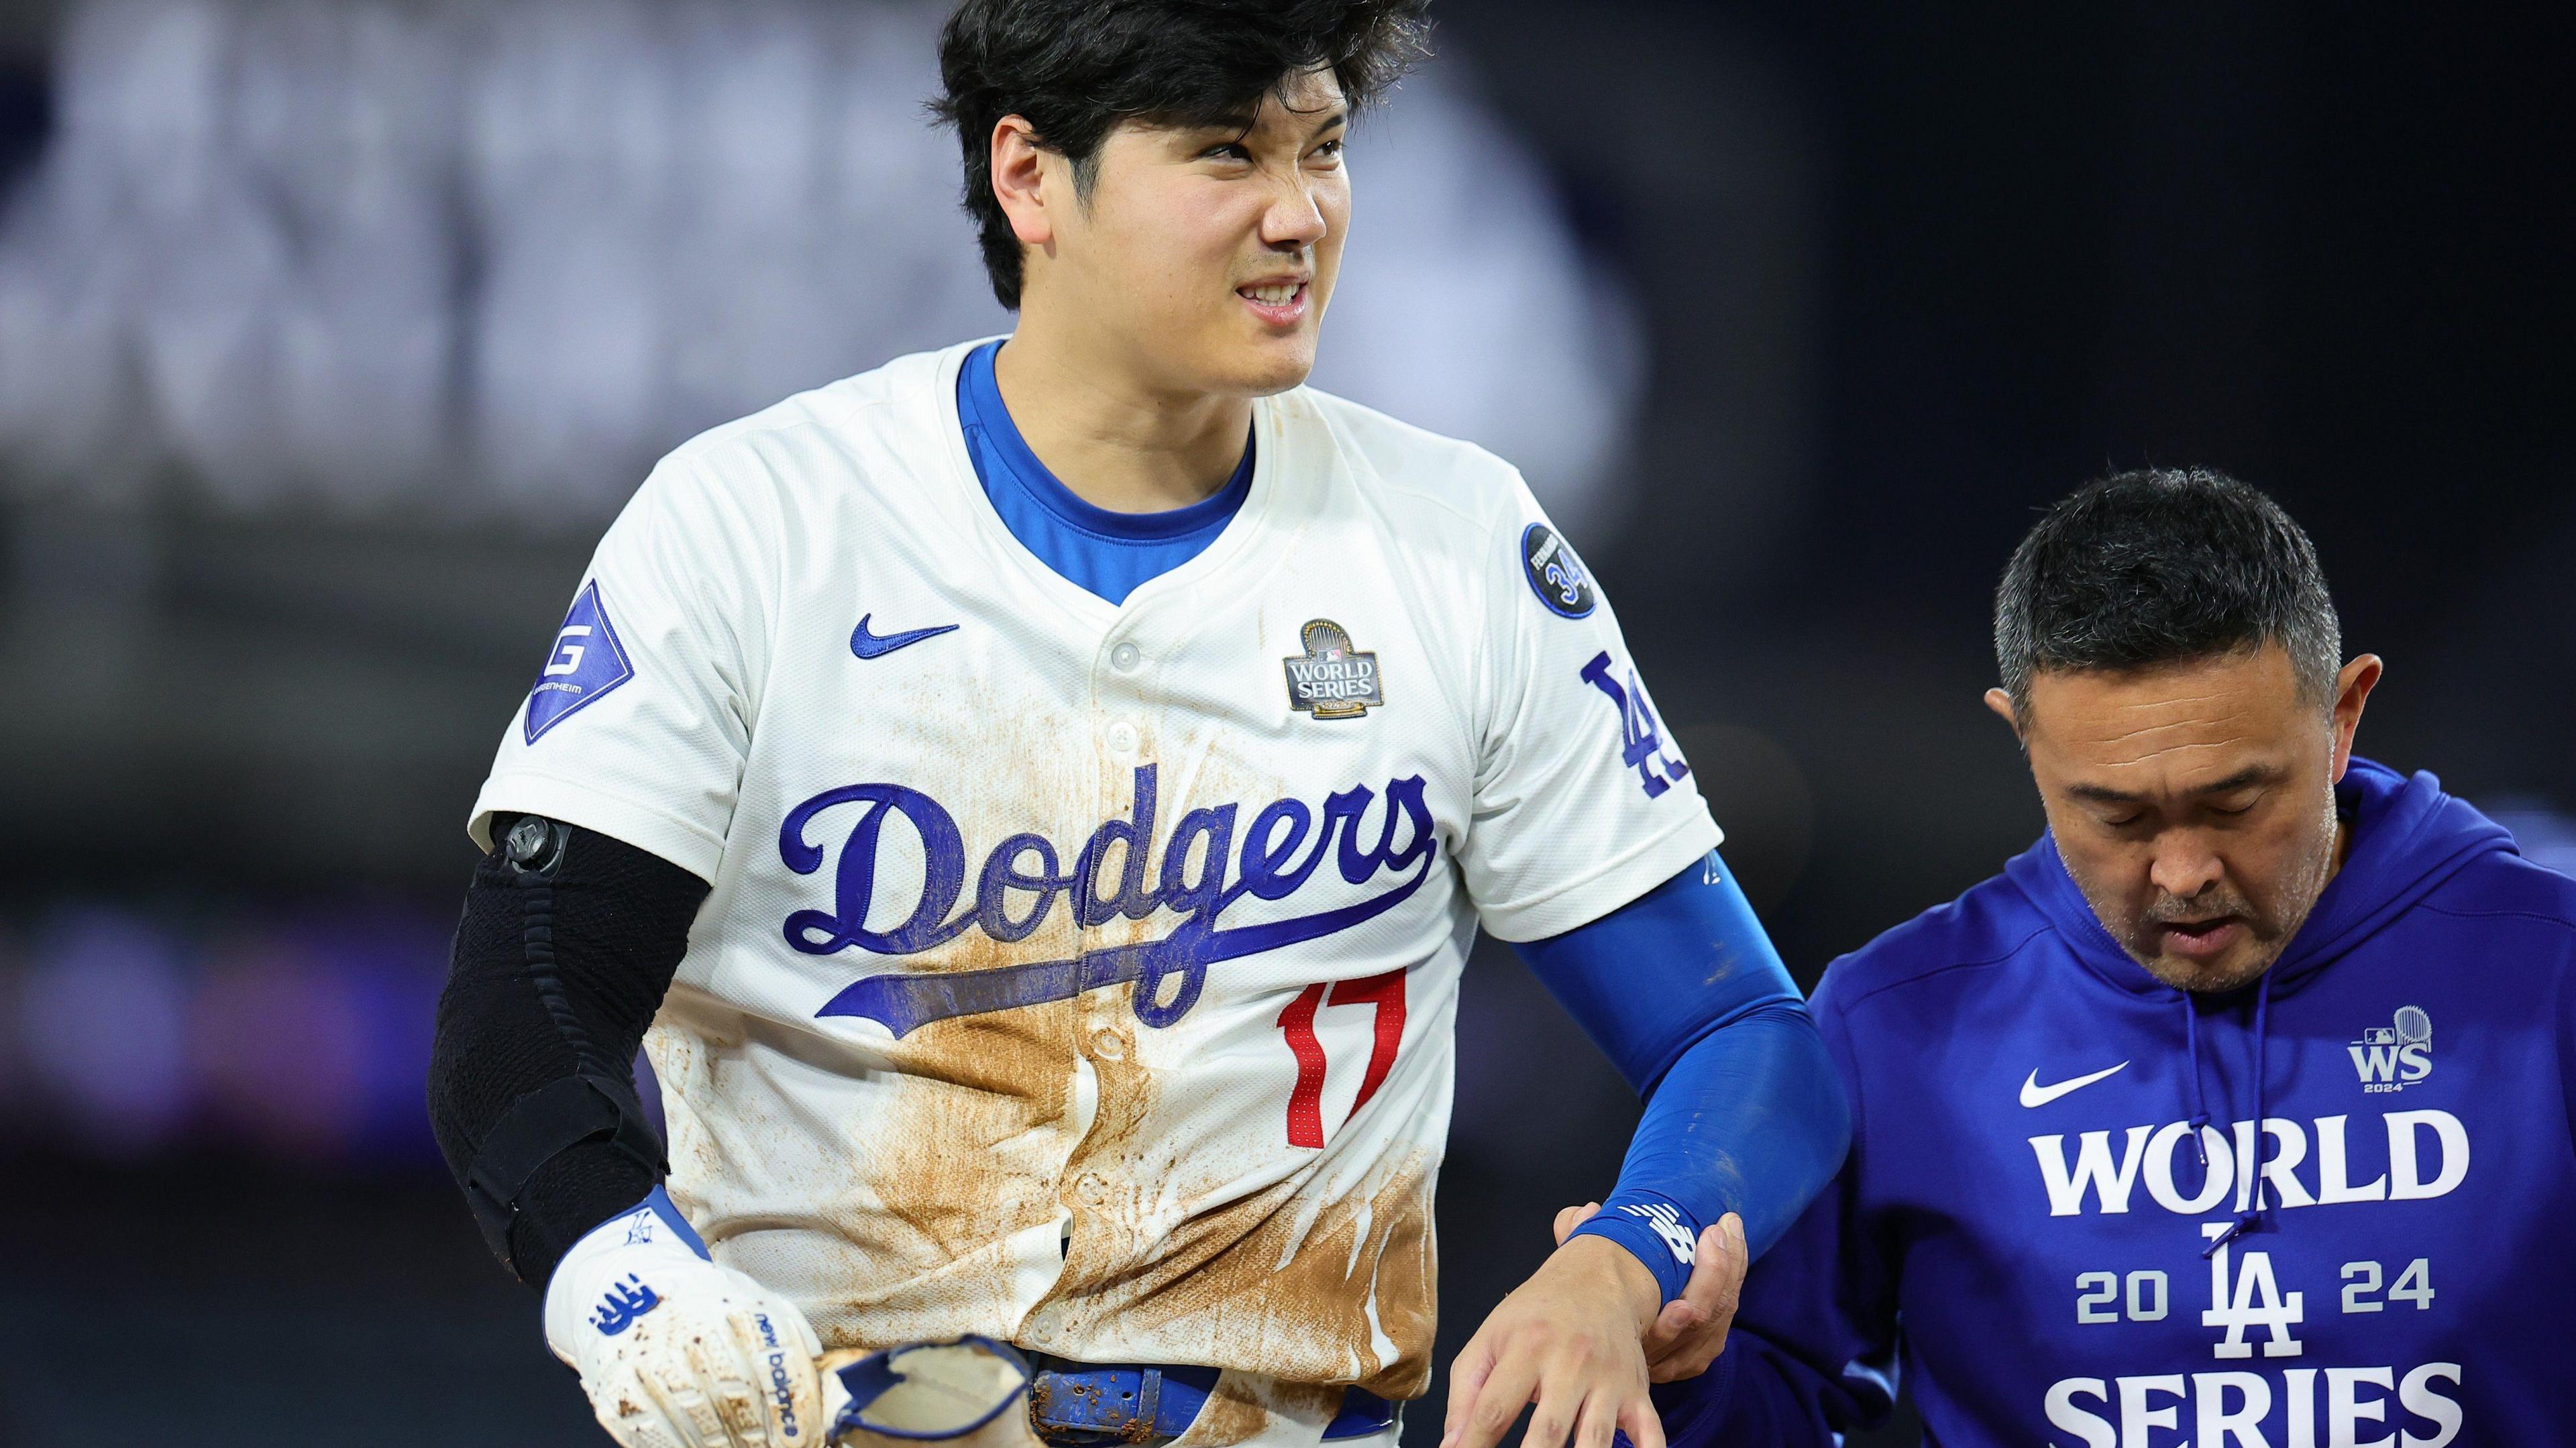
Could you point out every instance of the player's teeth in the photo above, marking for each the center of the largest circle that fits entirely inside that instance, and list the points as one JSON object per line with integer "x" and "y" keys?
{"x": 1272, "y": 296}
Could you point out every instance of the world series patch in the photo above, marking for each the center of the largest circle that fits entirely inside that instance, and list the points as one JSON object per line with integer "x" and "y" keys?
{"x": 1554, "y": 573}
{"x": 1332, "y": 680}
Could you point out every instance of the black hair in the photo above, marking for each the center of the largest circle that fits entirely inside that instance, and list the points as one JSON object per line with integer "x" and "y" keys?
{"x": 1076, "y": 68}
{"x": 2158, "y": 566}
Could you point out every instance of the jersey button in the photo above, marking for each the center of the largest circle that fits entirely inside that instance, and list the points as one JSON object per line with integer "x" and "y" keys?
{"x": 1126, "y": 657}
{"x": 1093, "y": 1189}
{"x": 1122, "y": 737}
{"x": 1108, "y": 1045}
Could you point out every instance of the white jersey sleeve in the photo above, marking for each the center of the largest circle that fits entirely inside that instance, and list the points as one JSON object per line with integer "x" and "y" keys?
{"x": 1583, "y": 801}
{"x": 640, "y": 719}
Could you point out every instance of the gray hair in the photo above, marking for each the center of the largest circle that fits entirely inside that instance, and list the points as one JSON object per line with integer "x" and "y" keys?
{"x": 2162, "y": 565}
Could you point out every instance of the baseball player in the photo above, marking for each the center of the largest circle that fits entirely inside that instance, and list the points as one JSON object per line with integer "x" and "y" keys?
{"x": 1040, "y": 795}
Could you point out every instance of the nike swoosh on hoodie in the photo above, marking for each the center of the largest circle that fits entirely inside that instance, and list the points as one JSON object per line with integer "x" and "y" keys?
{"x": 2034, "y": 1094}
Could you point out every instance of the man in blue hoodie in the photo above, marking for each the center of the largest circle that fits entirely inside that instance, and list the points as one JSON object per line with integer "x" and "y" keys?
{"x": 2236, "y": 1112}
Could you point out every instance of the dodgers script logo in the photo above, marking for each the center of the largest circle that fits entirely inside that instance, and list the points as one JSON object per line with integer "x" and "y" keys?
{"x": 1021, "y": 880}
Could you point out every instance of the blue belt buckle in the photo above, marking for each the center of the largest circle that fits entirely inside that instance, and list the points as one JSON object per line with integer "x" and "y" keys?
{"x": 1079, "y": 1405}
{"x": 1082, "y": 1405}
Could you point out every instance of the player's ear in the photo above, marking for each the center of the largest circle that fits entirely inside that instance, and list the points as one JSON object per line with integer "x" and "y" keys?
{"x": 1019, "y": 178}
{"x": 2352, "y": 689}
{"x": 2001, "y": 703}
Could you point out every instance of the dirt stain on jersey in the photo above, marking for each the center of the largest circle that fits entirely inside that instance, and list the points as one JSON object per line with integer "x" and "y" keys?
{"x": 1337, "y": 1292}
{"x": 962, "y": 1143}
{"x": 954, "y": 1151}
{"x": 1310, "y": 1293}
{"x": 954, "y": 1165}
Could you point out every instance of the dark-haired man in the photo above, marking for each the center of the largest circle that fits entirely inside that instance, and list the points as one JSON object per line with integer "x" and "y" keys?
{"x": 2236, "y": 1112}
{"x": 1041, "y": 793}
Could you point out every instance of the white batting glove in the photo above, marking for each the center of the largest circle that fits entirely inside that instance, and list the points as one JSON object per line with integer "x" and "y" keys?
{"x": 677, "y": 1352}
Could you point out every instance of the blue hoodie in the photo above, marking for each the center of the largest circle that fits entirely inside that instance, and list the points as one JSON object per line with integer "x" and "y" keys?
{"x": 2026, "y": 1192}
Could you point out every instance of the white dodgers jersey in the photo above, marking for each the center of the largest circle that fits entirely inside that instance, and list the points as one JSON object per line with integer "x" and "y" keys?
{"x": 1084, "y": 974}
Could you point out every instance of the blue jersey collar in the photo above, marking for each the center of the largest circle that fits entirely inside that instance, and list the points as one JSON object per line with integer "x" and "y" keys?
{"x": 981, "y": 409}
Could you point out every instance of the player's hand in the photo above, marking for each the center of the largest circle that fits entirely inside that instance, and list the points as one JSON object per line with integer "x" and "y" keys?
{"x": 677, "y": 1352}
{"x": 1569, "y": 1340}
{"x": 1691, "y": 1330}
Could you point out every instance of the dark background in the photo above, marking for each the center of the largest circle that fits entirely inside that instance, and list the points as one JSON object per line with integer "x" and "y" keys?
{"x": 1907, "y": 273}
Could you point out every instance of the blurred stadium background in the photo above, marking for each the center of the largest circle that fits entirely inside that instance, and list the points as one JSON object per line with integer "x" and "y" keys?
{"x": 332, "y": 333}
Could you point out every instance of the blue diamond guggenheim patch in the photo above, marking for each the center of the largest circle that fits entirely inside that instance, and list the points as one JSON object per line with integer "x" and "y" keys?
{"x": 588, "y": 661}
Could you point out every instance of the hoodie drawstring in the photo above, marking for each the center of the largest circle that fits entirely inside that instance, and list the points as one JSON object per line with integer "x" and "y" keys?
{"x": 2199, "y": 1094}
{"x": 2259, "y": 1214}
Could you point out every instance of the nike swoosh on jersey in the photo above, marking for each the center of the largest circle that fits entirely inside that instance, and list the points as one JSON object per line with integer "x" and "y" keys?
{"x": 876, "y": 646}
{"x": 2034, "y": 1094}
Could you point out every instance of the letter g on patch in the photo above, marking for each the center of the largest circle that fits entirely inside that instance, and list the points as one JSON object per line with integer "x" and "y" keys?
{"x": 588, "y": 662}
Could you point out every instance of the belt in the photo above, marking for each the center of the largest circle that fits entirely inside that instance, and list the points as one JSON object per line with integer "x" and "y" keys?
{"x": 1083, "y": 1405}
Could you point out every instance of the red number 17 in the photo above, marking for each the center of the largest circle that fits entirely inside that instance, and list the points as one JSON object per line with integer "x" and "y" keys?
{"x": 1306, "y": 1102}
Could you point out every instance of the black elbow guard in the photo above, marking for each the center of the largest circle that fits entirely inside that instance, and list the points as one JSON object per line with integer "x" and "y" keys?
{"x": 568, "y": 942}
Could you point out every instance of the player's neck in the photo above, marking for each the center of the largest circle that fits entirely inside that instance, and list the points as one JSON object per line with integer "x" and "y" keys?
{"x": 1113, "y": 440}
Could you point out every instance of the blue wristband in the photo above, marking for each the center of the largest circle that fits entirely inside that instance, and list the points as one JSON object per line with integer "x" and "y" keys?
{"x": 1655, "y": 1229}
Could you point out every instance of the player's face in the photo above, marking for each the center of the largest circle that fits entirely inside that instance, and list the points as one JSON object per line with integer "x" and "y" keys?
{"x": 1209, "y": 252}
{"x": 2194, "y": 803}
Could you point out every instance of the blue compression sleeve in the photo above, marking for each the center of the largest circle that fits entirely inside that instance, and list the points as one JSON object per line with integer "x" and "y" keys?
{"x": 1682, "y": 990}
